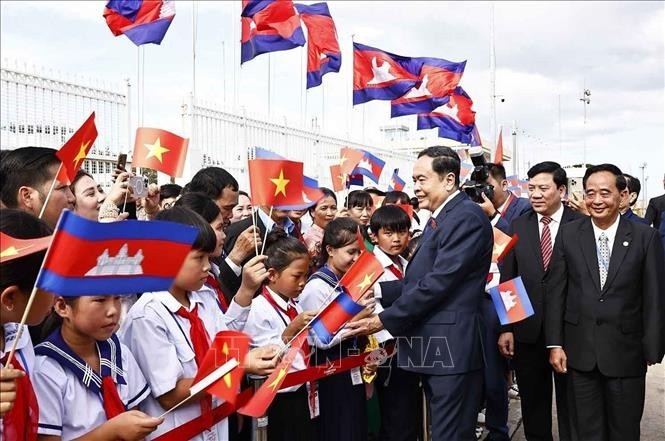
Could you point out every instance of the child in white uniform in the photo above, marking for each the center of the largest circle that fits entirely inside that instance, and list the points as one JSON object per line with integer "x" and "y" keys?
{"x": 275, "y": 318}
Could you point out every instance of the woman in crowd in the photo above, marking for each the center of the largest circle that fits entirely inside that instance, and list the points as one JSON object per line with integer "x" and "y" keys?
{"x": 244, "y": 208}
{"x": 322, "y": 213}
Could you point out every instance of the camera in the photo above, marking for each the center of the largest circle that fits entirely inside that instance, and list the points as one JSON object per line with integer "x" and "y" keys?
{"x": 477, "y": 184}
{"x": 139, "y": 186}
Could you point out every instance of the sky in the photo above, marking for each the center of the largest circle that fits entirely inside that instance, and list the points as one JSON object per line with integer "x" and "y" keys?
{"x": 547, "y": 53}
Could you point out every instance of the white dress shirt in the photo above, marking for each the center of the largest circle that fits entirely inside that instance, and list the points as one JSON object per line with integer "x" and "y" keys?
{"x": 610, "y": 232}
{"x": 554, "y": 225}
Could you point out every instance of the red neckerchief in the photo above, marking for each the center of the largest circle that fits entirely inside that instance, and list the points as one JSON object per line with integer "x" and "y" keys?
{"x": 396, "y": 271}
{"x": 214, "y": 284}
{"x": 20, "y": 422}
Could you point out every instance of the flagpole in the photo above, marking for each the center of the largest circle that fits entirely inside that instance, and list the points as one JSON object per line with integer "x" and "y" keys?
{"x": 265, "y": 236}
{"x": 50, "y": 191}
{"x": 254, "y": 213}
{"x": 269, "y": 86}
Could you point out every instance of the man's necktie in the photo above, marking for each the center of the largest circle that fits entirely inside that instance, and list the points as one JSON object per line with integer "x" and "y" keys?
{"x": 603, "y": 258}
{"x": 546, "y": 242}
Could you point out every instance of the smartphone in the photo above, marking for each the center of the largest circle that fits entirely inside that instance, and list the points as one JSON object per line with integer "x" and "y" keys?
{"x": 122, "y": 161}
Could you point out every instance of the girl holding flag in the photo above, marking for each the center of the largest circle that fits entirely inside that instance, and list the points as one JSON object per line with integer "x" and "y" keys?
{"x": 343, "y": 413}
{"x": 275, "y": 318}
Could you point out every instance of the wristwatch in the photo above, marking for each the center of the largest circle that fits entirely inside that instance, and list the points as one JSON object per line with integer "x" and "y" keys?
{"x": 495, "y": 214}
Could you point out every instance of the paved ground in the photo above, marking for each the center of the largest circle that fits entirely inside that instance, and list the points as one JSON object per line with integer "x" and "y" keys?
{"x": 653, "y": 421}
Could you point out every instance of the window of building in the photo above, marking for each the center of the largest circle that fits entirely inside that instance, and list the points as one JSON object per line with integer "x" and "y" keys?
{"x": 31, "y": 129}
{"x": 94, "y": 168}
{"x": 47, "y": 130}
{"x": 21, "y": 128}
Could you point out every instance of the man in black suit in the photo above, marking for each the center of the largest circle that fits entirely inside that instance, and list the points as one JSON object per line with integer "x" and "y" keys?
{"x": 525, "y": 341}
{"x": 436, "y": 319}
{"x": 222, "y": 187}
{"x": 604, "y": 309}
{"x": 654, "y": 209}
{"x": 625, "y": 208}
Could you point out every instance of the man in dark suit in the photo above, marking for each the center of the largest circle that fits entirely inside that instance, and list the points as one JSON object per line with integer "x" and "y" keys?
{"x": 654, "y": 209}
{"x": 501, "y": 209}
{"x": 625, "y": 208}
{"x": 436, "y": 319}
{"x": 604, "y": 309}
{"x": 524, "y": 341}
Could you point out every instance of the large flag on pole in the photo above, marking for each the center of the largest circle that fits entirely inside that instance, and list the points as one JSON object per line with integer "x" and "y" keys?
{"x": 142, "y": 21}
{"x": 455, "y": 120}
{"x": 76, "y": 149}
{"x": 160, "y": 150}
{"x": 323, "y": 52}
{"x": 91, "y": 258}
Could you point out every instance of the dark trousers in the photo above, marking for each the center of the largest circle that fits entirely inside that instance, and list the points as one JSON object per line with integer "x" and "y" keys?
{"x": 453, "y": 405}
{"x": 534, "y": 378}
{"x": 608, "y": 408}
{"x": 400, "y": 402}
{"x": 495, "y": 390}
{"x": 288, "y": 417}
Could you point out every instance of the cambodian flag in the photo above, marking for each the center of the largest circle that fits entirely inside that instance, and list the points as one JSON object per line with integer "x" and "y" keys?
{"x": 370, "y": 166}
{"x": 396, "y": 183}
{"x": 269, "y": 26}
{"x": 511, "y": 301}
{"x": 142, "y": 21}
{"x": 380, "y": 75}
{"x": 355, "y": 179}
{"x": 323, "y": 52}
{"x": 91, "y": 258}
{"x": 438, "y": 78}
{"x": 334, "y": 316}
{"x": 455, "y": 120}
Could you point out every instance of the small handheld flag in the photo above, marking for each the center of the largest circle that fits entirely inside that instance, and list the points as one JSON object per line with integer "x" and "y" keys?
{"x": 511, "y": 301}
{"x": 259, "y": 403}
{"x": 349, "y": 159}
{"x": 502, "y": 244}
{"x": 370, "y": 166}
{"x": 276, "y": 182}
{"x": 334, "y": 316}
{"x": 362, "y": 275}
{"x": 396, "y": 183}
{"x": 12, "y": 248}
{"x": 76, "y": 149}
{"x": 338, "y": 178}
{"x": 91, "y": 258}
{"x": 498, "y": 153}
{"x": 160, "y": 150}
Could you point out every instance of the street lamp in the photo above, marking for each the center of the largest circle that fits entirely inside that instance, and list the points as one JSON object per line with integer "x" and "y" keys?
{"x": 586, "y": 100}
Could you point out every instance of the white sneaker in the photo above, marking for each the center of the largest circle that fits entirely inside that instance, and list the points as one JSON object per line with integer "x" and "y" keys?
{"x": 481, "y": 417}
{"x": 514, "y": 392}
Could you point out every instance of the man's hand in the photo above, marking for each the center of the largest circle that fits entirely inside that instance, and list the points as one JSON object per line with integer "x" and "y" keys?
{"x": 151, "y": 202}
{"x": 506, "y": 344}
{"x": 365, "y": 326}
{"x": 297, "y": 324}
{"x": 487, "y": 206}
{"x": 558, "y": 360}
{"x": 244, "y": 245}
{"x": 577, "y": 203}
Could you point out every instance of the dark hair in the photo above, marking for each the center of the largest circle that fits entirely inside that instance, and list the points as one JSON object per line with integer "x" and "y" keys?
{"x": 359, "y": 198}
{"x": 22, "y": 271}
{"x": 201, "y": 204}
{"x": 167, "y": 191}
{"x": 244, "y": 193}
{"x": 445, "y": 161}
{"x": 396, "y": 197}
{"x": 25, "y": 166}
{"x": 282, "y": 250}
{"x": 634, "y": 186}
{"x": 79, "y": 174}
{"x": 206, "y": 240}
{"x": 327, "y": 193}
{"x": 414, "y": 203}
{"x": 498, "y": 171}
{"x": 611, "y": 168}
{"x": 212, "y": 181}
{"x": 339, "y": 233}
{"x": 558, "y": 174}
{"x": 374, "y": 190}
{"x": 390, "y": 217}
{"x": 411, "y": 247}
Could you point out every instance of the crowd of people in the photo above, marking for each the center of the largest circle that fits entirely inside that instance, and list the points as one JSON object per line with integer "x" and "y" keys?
{"x": 107, "y": 367}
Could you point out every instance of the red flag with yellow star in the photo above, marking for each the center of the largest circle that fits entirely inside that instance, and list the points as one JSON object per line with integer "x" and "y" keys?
{"x": 258, "y": 405}
{"x": 338, "y": 178}
{"x": 226, "y": 346}
{"x": 160, "y": 150}
{"x": 349, "y": 159}
{"x": 12, "y": 248}
{"x": 275, "y": 182}
{"x": 76, "y": 149}
{"x": 362, "y": 275}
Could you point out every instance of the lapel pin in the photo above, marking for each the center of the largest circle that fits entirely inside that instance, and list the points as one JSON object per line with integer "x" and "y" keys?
{"x": 625, "y": 244}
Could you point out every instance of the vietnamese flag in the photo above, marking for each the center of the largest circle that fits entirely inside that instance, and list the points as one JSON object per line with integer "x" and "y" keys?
{"x": 338, "y": 178}
{"x": 502, "y": 244}
{"x": 259, "y": 403}
{"x": 76, "y": 149}
{"x": 498, "y": 153}
{"x": 349, "y": 159}
{"x": 275, "y": 182}
{"x": 227, "y": 345}
{"x": 362, "y": 275}
{"x": 13, "y": 248}
{"x": 160, "y": 150}
{"x": 408, "y": 208}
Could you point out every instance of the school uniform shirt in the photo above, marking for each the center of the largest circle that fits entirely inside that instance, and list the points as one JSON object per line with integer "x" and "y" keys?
{"x": 391, "y": 273}
{"x": 266, "y": 323}
{"x": 69, "y": 390}
{"x": 24, "y": 355}
{"x": 235, "y": 316}
{"x": 161, "y": 344}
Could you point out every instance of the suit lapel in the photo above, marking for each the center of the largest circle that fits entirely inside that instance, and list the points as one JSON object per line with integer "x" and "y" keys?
{"x": 533, "y": 238}
{"x": 619, "y": 250}
{"x": 588, "y": 244}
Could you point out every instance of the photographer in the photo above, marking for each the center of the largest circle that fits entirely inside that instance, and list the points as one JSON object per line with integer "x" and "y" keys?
{"x": 503, "y": 206}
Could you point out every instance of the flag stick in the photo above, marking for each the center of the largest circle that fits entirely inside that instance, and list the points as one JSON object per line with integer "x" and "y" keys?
{"x": 265, "y": 236}
{"x": 50, "y": 191}
{"x": 124, "y": 204}
{"x": 254, "y": 213}
{"x": 207, "y": 381}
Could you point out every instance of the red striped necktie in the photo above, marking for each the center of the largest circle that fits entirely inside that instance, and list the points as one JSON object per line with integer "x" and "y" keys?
{"x": 546, "y": 242}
